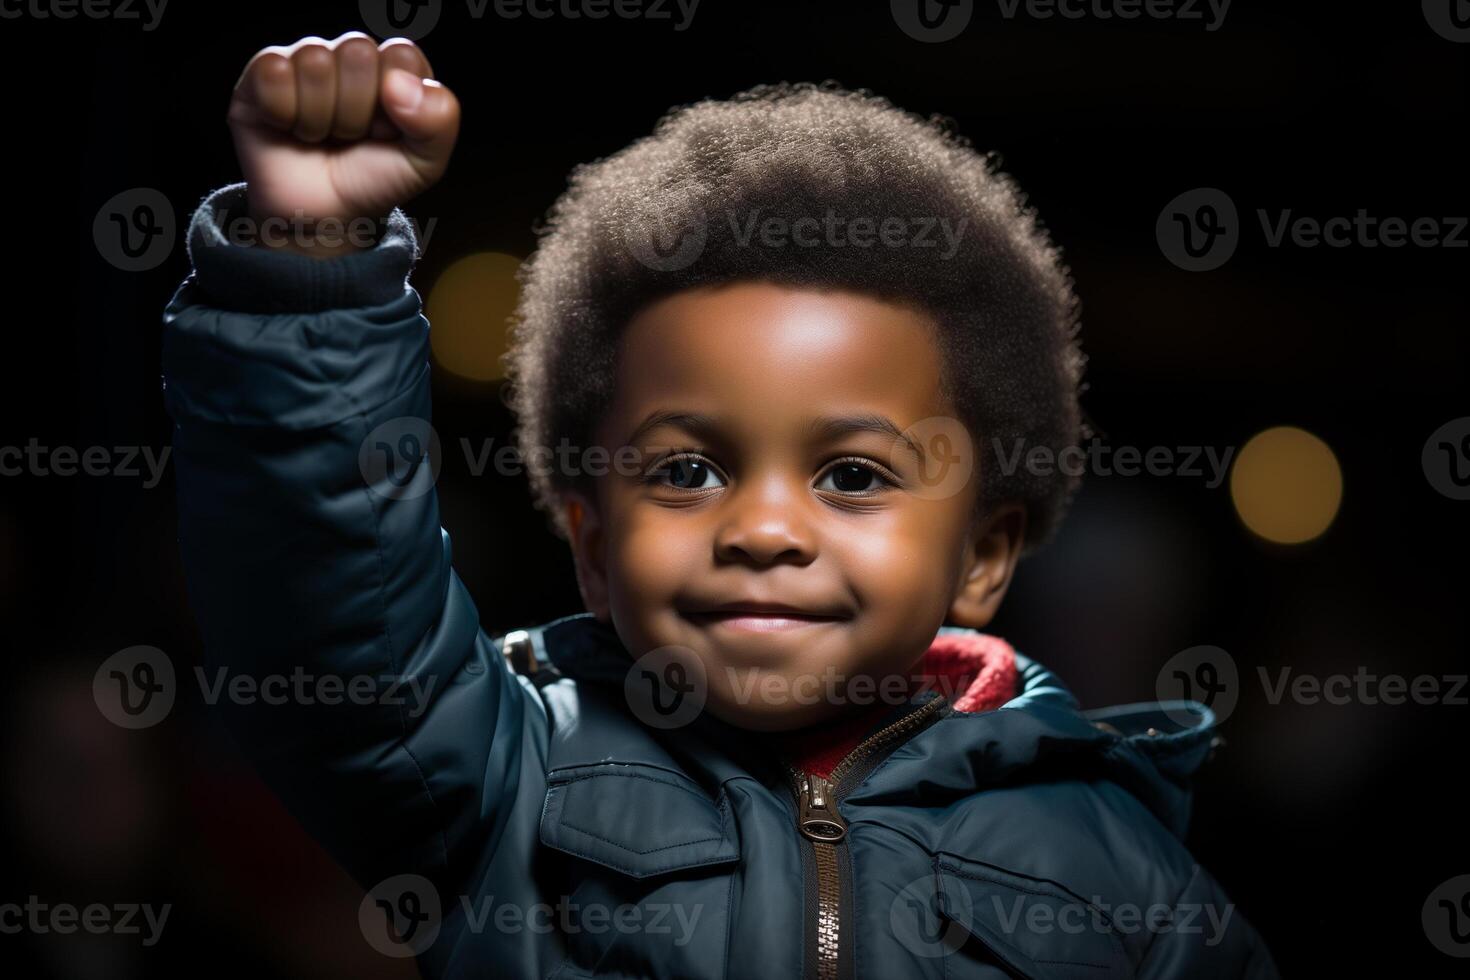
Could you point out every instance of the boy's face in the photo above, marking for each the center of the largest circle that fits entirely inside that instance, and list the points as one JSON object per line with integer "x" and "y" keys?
{"x": 780, "y": 529}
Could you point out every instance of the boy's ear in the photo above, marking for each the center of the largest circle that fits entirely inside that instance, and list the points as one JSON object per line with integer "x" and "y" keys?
{"x": 584, "y": 527}
{"x": 991, "y": 553}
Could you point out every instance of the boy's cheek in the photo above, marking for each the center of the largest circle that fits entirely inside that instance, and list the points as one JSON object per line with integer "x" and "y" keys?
{"x": 650, "y": 557}
{"x": 902, "y": 554}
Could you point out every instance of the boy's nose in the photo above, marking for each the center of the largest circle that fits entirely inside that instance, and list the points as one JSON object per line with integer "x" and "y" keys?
{"x": 766, "y": 527}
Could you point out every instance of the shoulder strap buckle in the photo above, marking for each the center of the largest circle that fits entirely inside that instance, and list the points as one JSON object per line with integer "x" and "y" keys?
{"x": 520, "y": 652}
{"x": 519, "y": 647}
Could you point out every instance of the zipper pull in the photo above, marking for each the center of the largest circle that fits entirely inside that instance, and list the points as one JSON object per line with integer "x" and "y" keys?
{"x": 819, "y": 819}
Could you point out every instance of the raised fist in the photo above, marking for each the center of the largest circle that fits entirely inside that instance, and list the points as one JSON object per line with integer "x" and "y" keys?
{"x": 340, "y": 129}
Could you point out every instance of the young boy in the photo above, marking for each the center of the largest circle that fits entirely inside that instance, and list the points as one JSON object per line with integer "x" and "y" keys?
{"x": 761, "y": 752}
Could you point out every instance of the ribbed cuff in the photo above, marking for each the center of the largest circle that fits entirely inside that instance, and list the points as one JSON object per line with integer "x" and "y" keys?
{"x": 255, "y": 279}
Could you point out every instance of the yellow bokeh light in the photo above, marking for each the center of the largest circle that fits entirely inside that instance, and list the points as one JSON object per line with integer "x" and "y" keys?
{"x": 1286, "y": 485}
{"x": 468, "y": 309}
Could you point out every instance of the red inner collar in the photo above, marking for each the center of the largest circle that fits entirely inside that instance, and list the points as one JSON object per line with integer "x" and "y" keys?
{"x": 975, "y": 671}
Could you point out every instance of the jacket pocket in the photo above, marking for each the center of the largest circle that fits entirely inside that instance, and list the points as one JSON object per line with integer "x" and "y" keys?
{"x": 1035, "y": 928}
{"x": 637, "y": 820}
{"x": 649, "y": 891}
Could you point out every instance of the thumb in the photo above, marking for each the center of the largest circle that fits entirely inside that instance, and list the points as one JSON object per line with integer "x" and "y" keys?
{"x": 426, "y": 113}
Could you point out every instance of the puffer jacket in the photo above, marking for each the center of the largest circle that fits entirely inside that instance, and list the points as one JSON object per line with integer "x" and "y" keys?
{"x": 508, "y": 811}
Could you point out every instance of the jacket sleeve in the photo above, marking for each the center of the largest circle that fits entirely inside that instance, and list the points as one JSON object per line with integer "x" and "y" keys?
{"x": 1208, "y": 937}
{"x": 342, "y": 650}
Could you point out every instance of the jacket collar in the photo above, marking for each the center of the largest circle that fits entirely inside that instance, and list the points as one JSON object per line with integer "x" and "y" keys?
{"x": 1151, "y": 748}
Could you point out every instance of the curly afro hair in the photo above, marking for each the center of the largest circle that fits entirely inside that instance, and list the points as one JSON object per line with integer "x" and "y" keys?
{"x": 1000, "y": 295}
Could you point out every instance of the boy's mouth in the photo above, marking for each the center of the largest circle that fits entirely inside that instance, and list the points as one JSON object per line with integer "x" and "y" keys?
{"x": 760, "y": 617}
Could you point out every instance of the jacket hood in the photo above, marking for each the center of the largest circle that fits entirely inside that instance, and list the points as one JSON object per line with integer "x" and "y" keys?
{"x": 1152, "y": 749}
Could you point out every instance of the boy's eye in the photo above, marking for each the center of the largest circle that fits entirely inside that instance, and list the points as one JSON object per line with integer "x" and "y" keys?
{"x": 686, "y": 473}
{"x": 853, "y": 477}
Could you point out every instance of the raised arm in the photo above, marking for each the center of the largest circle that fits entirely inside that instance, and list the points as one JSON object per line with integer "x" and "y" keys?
{"x": 297, "y": 377}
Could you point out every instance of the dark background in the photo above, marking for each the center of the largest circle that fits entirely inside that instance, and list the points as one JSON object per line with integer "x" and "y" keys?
{"x": 1329, "y": 825}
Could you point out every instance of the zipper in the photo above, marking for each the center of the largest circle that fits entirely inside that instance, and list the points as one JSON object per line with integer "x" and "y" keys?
{"x": 825, "y": 833}
{"x": 821, "y": 824}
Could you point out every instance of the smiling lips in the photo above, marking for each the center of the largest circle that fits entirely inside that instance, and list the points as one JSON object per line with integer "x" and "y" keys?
{"x": 761, "y": 617}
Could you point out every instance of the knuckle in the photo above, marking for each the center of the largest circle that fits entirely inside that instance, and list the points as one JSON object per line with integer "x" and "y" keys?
{"x": 358, "y": 49}
{"x": 313, "y": 57}
{"x": 272, "y": 65}
{"x": 266, "y": 65}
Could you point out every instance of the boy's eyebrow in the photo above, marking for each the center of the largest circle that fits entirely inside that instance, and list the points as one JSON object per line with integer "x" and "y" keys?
{"x": 826, "y": 428}
{"x": 834, "y": 427}
{"x": 695, "y": 422}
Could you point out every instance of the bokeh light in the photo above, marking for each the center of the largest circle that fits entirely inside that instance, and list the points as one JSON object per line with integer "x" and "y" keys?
{"x": 1286, "y": 485}
{"x": 468, "y": 309}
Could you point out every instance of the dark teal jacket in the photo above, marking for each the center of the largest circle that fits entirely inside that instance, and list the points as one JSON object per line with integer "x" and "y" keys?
{"x": 530, "y": 826}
